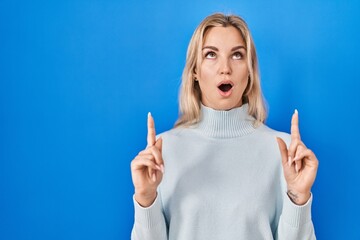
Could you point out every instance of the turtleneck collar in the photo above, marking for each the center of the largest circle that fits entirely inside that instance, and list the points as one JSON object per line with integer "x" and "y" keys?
{"x": 226, "y": 124}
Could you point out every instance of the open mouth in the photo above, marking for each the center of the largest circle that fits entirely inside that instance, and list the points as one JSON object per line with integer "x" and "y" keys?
{"x": 225, "y": 87}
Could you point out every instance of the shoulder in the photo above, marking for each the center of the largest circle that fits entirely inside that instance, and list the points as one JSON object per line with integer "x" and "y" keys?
{"x": 172, "y": 132}
{"x": 264, "y": 129}
{"x": 176, "y": 132}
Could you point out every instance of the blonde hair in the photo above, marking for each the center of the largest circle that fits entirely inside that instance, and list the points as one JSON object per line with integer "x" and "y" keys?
{"x": 190, "y": 93}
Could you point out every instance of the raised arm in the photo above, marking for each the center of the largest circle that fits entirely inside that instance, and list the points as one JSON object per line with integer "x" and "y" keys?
{"x": 147, "y": 170}
{"x": 300, "y": 167}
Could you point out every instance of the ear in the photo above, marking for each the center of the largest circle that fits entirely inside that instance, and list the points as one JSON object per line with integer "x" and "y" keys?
{"x": 195, "y": 74}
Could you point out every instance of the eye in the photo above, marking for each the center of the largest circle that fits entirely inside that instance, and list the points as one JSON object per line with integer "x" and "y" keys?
{"x": 237, "y": 55}
{"x": 210, "y": 55}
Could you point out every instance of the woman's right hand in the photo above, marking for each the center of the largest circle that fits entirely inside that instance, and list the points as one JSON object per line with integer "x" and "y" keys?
{"x": 147, "y": 168}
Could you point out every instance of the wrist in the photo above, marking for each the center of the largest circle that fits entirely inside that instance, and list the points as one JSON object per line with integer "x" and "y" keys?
{"x": 145, "y": 200}
{"x": 297, "y": 197}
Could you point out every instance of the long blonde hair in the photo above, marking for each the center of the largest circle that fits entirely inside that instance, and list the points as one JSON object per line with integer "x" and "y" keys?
{"x": 190, "y": 93}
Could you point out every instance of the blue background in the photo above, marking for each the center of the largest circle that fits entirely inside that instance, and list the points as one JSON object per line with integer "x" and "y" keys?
{"x": 77, "y": 79}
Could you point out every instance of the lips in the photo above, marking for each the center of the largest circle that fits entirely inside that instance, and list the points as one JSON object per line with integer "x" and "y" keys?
{"x": 225, "y": 88}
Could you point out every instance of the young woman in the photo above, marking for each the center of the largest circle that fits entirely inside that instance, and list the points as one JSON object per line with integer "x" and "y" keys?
{"x": 220, "y": 173}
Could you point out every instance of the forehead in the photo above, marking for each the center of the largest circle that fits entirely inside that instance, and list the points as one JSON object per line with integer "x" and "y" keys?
{"x": 223, "y": 36}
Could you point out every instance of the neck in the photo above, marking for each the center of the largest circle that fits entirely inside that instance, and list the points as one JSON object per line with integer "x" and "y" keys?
{"x": 232, "y": 123}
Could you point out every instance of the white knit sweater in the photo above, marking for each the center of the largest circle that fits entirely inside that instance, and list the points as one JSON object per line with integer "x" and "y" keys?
{"x": 223, "y": 180}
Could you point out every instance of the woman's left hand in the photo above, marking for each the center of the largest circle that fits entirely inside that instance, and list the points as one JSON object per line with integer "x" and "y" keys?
{"x": 299, "y": 164}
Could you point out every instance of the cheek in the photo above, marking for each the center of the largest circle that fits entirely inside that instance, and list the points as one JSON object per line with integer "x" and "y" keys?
{"x": 204, "y": 86}
{"x": 244, "y": 82}
{"x": 242, "y": 74}
{"x": 207, "y": 70}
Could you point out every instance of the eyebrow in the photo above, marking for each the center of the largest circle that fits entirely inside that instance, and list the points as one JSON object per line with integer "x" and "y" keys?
{"x": 216, "y": 49}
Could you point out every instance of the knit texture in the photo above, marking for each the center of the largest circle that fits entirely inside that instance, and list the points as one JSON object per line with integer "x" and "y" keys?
{"x": 223, "y": 180}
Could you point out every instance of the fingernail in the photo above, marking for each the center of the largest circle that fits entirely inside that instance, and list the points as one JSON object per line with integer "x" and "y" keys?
{"x": 162, "y": 168}
{"x": 149, "y": 114}
{"x": 289, "y": 161}
{"x": 296, "y": 111}
{"x": 153, "y": 177}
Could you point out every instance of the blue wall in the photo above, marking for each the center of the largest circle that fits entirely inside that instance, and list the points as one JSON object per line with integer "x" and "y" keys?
{"x": 77, "y": 79}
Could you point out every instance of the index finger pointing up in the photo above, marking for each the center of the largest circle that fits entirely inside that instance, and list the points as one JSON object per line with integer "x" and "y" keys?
{"x": 295, "y": 133}
{"x": 151, "y": 136}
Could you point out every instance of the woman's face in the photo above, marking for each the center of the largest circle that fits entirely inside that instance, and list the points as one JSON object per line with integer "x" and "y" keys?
{"x": 223, "y": 73}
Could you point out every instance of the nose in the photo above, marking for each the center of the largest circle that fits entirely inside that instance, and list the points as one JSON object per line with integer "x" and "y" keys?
{"x": 225, "y": 68}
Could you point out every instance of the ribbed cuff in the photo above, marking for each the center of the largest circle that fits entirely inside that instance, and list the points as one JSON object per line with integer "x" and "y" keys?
{"x": 296, "y": 215}
{"x": 148, "y": 217}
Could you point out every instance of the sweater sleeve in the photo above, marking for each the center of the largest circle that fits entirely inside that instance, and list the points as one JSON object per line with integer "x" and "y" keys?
{"x": 295, "y": 221}
{"x": 149, "y": 222}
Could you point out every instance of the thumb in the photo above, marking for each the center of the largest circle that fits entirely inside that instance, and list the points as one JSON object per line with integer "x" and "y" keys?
{"x": 158, "y": 144}
{"x": 283, "y": 151}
